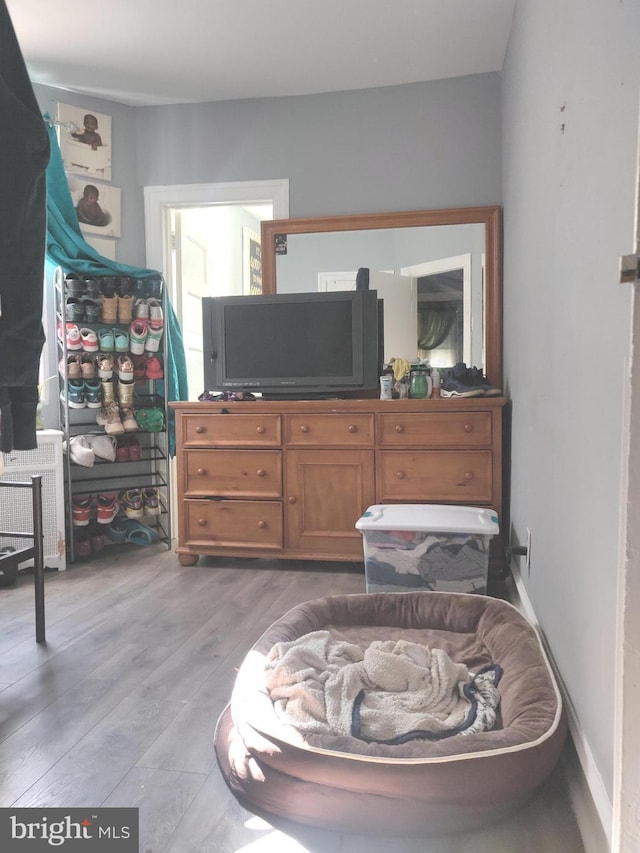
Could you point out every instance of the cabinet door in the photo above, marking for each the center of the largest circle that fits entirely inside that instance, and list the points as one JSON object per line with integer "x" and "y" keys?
{"x": 325, "y": 494}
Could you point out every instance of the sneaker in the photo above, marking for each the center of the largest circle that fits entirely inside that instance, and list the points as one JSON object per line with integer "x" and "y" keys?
{"x": 138, "y": 336}
{"x": 103, "y": 446}
{"x": 122, "y": 450}
{"x": 82, "y": 546}
{"x": 109, "y": 418}
{"x": 458, "y": 383}
{"x": 156, "y": 317}
{"x": 74, "y": 394}
{"x": 134, "y": 448}
{"x": 141, "y": 309}
{"x": 125, "y": 368}
{"x": 154, "y": 368}
{"x": 97, "y": 543}
{"x": 80, "y": 451}
{"x": 107, "y": 342}
{"x": 478, "y": 378}
{"x": 92, "y": 309}
{"x": 104, "y": 361}
{"x": 151, "y": 501}
{"x": 72, "y": 332}
{"x": 93, "y": 393}
{"x": 87, "y": 365}
{"x": 74, "y": 309}
{"x": 132, "y": 503}
{"x": 89, "y": 340}
{"x": 73, "y": 284}
{"x": 72, "y": 367}
{"x": 154, "y": 336}
{"x": 139, "y": 367}
{"x": 107, "y": 507}
{"x": 108, "y": 286}
{"x": 129, "y": 422}
{"x": 80, "y": 510}
{"x": 121, "y": 340}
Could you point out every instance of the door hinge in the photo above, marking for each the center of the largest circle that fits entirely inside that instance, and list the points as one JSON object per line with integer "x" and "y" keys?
{"x": 629, "y": 268}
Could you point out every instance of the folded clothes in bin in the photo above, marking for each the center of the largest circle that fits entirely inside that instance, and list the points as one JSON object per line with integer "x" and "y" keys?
{"x": 431, "y": 547}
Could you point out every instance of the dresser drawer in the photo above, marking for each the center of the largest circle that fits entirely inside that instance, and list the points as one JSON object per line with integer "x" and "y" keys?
{"x": 231, "y": 430}
{"x": 463, "y": 476}
{"x": 337, "y": 430}
{"x": 233, "y": 524}
{"x": 435, "y": 429}
{"x": 233, "y": 473}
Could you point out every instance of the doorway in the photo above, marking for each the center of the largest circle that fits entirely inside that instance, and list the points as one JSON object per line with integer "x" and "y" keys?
{"x": 203, "y": 236}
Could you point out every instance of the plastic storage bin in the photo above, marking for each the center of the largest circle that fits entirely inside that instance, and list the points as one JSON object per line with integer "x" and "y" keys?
{"x": 408, "y": 547}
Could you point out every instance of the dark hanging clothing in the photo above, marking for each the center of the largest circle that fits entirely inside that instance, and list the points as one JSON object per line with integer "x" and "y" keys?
{"x": 24, "y": 154}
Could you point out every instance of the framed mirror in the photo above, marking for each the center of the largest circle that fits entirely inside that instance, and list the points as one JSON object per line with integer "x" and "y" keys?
{"x": 439, "y": 272}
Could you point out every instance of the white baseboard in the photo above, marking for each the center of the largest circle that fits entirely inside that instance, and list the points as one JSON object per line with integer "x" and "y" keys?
{"x": 589, "y": 798}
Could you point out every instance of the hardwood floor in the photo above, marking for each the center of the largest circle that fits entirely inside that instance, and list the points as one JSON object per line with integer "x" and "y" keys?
{"x": 119, "y": 707}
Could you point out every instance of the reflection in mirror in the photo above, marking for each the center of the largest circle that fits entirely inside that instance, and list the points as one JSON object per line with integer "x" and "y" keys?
{"x": 439, "y": 282}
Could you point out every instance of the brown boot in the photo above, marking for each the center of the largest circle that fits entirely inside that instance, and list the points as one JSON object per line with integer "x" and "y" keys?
{"x": 109, "y": 309}
{"x": 125, "y": 306}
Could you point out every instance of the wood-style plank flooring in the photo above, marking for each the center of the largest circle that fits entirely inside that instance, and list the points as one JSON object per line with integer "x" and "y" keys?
{"x": 118, "y": 708}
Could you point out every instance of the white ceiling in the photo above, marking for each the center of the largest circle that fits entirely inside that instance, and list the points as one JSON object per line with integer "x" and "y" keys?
{"x": 145, "y": 52}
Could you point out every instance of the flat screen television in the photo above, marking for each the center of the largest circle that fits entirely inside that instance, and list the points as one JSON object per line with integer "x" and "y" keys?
{"x": 289, "y": 345}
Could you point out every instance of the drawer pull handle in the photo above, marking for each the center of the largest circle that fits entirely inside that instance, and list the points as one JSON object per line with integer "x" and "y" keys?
{"x": 262, "y": 524}
{"x": 261, "y": 472}
{"x": 260, "y": 430}
{"x": 202, "y": 522}
{"x": 400, "y": 475}
{"x": 399, "y": 428}
{"x": 292, "y": 499}
{"x": 200, "y": 429}
{"x": 468, "y": 475}
{"x": 352, "y": 428}
{"x": 202, "y": 472}
{"x": 468, "y": 427}
{"x": 304, "y": 428}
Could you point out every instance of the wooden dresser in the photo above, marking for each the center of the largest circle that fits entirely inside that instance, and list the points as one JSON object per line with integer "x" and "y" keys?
{"x": 290, "y": 479}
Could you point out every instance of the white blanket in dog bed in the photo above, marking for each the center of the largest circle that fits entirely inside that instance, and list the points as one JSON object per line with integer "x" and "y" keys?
{"x": 391, "y": 692}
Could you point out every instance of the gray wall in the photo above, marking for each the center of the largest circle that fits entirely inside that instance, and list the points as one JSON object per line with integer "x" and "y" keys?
{"x": 570, "y": 122}
{"x": 399, "y": 148}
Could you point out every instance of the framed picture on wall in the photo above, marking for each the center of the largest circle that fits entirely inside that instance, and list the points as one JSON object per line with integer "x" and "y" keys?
{"x": 85, "y": 141}
{"x": 251, "y": 263}
{"x": 103, "y": 246}
{"x": 97, "y": 206}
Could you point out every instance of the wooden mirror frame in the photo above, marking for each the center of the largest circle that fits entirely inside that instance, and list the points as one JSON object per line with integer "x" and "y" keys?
{"x": 490, "y": 217}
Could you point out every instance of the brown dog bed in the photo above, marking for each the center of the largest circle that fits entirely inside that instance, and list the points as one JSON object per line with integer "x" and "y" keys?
{"x": 341, "y": 782}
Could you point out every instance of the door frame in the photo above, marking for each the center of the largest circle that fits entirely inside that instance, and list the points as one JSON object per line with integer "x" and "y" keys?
{"x": 158, "y": 200}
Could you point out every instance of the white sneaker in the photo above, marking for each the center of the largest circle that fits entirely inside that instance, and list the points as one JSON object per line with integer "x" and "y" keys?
{"x": 80, "y": 451}
{"x": 104, "y": 446}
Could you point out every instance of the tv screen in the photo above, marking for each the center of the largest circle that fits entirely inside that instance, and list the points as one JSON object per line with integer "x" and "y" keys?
{"x": 294, "y": 344}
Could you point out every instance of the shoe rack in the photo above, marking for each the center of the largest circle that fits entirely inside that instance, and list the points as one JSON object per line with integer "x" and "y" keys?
{"x": 114, "y": 427}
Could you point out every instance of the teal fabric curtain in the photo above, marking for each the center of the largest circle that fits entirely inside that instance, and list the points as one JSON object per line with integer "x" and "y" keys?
{"x": 67, "y": 248}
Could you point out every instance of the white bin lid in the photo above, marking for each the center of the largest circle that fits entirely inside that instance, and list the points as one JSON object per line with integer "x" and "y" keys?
{"x": 439, "y": 518}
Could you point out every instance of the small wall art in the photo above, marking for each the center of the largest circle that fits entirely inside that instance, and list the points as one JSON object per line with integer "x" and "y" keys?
{"x": 85, "y": 141}
{"x": 97, "y": 206}
{"x": 251, "y": 263}
{"x": 103, "y": 246}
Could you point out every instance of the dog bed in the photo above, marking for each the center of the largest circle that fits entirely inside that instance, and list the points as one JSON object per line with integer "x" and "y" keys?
{"x": 342, "y": 782}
